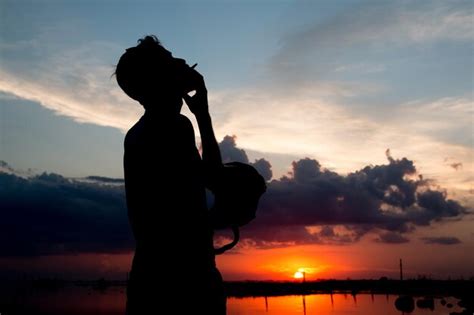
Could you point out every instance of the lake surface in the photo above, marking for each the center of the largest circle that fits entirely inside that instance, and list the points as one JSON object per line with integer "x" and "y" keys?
{"x": 323, "y": 304}
{"x": 86, "y": 301}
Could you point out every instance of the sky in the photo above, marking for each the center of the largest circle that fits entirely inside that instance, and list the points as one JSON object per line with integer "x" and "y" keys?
{"x": 362, "y": 112}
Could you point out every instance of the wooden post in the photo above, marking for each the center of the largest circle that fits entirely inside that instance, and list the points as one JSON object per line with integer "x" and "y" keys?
{"x": 401, "y": 270}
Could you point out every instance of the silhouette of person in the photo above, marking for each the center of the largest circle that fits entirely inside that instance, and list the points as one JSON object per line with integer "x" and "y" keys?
{"x": 173, "y": 266}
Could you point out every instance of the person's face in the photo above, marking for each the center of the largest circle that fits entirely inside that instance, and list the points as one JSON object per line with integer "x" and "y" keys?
{"x": 182, "y": 76}
{"x": 175, "y": 76}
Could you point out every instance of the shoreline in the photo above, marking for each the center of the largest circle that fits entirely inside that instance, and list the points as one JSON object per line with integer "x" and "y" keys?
{"x": 418, "y": 287}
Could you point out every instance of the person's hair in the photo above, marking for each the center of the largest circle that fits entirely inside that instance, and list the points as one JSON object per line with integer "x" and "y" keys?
{"x": 142, "y": 68}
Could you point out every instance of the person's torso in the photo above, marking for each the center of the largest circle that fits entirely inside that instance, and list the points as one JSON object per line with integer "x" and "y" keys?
{"x": 166, "y": 194}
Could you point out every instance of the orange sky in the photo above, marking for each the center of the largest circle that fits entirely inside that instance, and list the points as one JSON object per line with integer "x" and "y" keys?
{"x": 362, "y": 260}
{"x": 365, "y": 259}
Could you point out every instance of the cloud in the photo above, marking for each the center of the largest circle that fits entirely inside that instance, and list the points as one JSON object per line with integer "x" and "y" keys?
{"x": 442, "y": 240}
{"x": 316, "y": 205}
{"x": 74, "y": 82}
{"x": 447, "y": 119}
{"x": 392, "y": 238}
{"x": 5, "y": 168}
{"x": 311, "y": 121}
{"x": 105, "y": 180}
{"x": 316, "y": 119}
{"x": 264, "y": 168}
{"x": 456, "y": 166}
{"x": 370, "y": 24}
{"x": 307, "y": 124}
{"x": 390, "y": 198}
{"x": 230, "y": 153}
{"x": 361, "y": 67}
{"x": 50, "y": 214}
{"x": 438, "y": 205}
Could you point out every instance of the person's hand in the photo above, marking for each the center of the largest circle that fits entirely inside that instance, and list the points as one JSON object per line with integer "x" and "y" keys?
{"x": 198, "y": 103}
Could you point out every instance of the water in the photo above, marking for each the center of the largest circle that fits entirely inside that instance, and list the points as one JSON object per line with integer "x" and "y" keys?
{"x": 86, "y": 301}
{"x": 325, "y": 304}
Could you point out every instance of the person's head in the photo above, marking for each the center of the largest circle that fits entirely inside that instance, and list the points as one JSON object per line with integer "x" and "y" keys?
{"x": 149, "y": 74}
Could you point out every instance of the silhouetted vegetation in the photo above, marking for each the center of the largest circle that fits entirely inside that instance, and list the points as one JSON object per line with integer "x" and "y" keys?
{"x": 384, "y": 286}
{"x": 424, "y": 287}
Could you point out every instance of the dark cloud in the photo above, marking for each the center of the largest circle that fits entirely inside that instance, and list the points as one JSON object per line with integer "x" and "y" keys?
{"x": 4, "y": 167}
{"x": 264, "y": 168}
{"x": 456, "y": 166}
{"x": 105, "y": 179}
{"x": 305, "y": 170}
{"x": 390, "y": 198}
{"x": 271, "y": 236}
{"x": 230, "y": 153}
{"x": 50, "y": 214}
{"x": 442, "y": 240}
{"x": 436, "y": 206}
{"x": 391, "y": 238}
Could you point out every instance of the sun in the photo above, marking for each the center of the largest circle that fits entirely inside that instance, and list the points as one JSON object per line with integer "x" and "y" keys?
{"x": 300, "y": 274}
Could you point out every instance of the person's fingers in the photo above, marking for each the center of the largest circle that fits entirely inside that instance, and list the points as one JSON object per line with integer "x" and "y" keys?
{"x": 199, "y": 79}
{"x": 198, "y": 74}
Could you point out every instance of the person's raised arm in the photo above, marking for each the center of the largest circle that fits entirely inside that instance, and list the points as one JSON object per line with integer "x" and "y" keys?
{"x": 198, "y": 104}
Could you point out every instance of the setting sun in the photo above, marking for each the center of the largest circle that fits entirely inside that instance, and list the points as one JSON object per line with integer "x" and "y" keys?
{"x": 300, "y": 274}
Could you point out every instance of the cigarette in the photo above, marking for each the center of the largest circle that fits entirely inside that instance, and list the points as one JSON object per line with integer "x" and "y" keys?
{"x": 193, "y": 66}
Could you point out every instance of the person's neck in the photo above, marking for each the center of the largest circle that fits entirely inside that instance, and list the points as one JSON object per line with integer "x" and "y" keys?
{"x": 163, "y": 109}
{"x": 157, "y": 114}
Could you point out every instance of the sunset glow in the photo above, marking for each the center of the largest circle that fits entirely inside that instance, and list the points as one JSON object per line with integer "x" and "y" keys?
{"x": 298, "y": 275}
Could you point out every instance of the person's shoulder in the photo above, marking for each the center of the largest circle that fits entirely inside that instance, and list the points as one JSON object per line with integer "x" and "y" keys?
{"x": 133, "y": 133}
{"x": 186, "y": 127}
